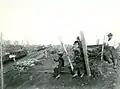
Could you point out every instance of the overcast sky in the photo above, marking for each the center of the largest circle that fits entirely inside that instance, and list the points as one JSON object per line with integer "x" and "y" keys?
{"x": 43, "y": 21}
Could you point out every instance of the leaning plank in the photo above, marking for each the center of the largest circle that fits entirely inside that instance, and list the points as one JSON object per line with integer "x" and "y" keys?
{"x": 67, "y": 55}
{"x": 102, "y": 48}
{"x": 84, "y": 46}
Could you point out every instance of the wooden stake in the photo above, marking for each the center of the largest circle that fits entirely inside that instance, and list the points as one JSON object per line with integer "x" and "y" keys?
{"x": 97, "y": 42}
{"x": 102, "y": 49}
{"x": 2, "y": 77}
{"x": 14, "y": 59}
{"x": 84, "y": 46}
{"x": 67, "y": 54}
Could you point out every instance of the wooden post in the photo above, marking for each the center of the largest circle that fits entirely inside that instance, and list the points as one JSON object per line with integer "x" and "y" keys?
{"x": 102, "y": 49}
{"x": 97, "y": 42}
{"x": 67, "y": 54}
{"x": 84, "y": 46}
{"x": 46, "y": 54}
{"x": 14, "y": 59}
{"x": 2, "y": 77}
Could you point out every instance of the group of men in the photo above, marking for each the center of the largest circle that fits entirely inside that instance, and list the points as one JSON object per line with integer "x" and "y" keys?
{"x": 79, "y": 64}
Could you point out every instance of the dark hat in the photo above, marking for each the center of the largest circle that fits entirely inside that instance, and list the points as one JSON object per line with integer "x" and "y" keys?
{"x": 110, "y": 34}
{"x": 75, "y": 42}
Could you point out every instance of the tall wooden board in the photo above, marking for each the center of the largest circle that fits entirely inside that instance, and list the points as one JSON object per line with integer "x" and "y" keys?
{"x": 84, "y": 46}
{"x": 102, "y": 49}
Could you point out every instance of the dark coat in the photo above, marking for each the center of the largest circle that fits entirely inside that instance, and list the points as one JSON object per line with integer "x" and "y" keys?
{"x": 61, "y": 62}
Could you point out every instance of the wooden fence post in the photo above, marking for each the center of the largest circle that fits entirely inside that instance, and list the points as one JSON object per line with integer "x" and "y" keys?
{"x": 84, "y": 46}
{"x": 2, "y": 76}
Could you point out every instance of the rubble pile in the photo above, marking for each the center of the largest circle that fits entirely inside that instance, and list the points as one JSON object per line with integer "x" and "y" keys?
{"x": 18, "y": 50}
{"x": 94, "y": 56}
{"x": 26, "y": 64}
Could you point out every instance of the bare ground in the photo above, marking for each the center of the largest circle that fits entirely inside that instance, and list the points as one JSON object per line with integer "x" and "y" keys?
{"x": 40, "y": 77}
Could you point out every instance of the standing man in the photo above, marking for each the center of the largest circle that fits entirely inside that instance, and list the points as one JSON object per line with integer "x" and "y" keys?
{"x": 78, "y": 60}
{"x": 110, "y": 50}
{"x": 60, "y": 65}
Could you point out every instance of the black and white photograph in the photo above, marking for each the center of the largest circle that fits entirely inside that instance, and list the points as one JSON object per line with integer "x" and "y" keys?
{"x": 59, "y": 44}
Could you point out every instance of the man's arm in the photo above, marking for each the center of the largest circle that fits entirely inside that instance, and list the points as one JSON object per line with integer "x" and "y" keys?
{"x": 115, "y": 44}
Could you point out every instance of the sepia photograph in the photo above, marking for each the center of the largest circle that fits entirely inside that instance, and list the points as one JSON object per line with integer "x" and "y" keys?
{"x": 59, "y": 44}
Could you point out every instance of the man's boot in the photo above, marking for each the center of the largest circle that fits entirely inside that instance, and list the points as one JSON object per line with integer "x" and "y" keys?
{"x": 82, "y": 75}
{"x": 75, "y": 74}
{"x": 58, "y": 76}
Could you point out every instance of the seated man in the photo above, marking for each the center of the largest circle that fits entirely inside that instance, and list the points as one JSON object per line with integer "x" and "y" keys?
{"x": 60, "y": 65}
{"x": 110, "y": 50}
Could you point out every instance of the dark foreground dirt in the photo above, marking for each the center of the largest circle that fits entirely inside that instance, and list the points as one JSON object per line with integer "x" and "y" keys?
{"x": 40, "y": 77}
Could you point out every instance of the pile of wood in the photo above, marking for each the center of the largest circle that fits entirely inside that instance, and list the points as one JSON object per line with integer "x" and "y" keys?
{"x": 94, "y": 56}
{"x": 17, "y": 50}
{"x": 94, "y": 51}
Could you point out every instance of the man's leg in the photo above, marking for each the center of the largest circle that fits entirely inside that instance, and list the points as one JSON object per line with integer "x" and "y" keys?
{"x": 58, "y": 72}
{"x": 55, "y": 72}
{"x": 75, "y": 71}
{"x": 107, "y": 56}
{"x": 82, "y": 69}
{"x": 114, "y": 57}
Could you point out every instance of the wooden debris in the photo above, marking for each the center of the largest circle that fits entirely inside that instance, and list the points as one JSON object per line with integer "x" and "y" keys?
{"x": 67, "y": 55}
{"x": 84, "y": 46}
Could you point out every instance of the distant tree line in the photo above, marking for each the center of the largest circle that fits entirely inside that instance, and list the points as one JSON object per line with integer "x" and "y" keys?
{"x": 16, "y": 42}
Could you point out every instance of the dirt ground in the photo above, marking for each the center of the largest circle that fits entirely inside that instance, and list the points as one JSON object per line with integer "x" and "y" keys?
{"x": 40, "y": 77}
